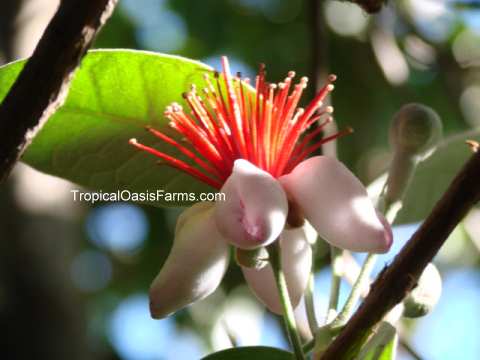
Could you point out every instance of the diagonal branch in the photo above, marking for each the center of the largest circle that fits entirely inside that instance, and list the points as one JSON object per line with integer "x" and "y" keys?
{"x": 43, "y": 84}
{"x": 397, "y": 280}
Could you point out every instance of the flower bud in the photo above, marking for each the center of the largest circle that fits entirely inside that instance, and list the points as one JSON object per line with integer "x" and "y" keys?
{"x": 425, "y": 296}
{"x": 414, "y": 132}
{"x": 195, "y": 266}
{"x": 415, "y": 129}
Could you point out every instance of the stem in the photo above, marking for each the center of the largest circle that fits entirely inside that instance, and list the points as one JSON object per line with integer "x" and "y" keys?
{"x": 363, "y": 279}
{"x": 323, "y": 338}
{"x": 308, "y": 347}
{"x": 400, "y": 175}
{"x": 309, "y": 297}
{"x": 288, "y": 315}
{"x": 230, "y": 335}
{"x": 397, "y": 280}
{"x": 310, "y": 304}
{"x": 356, "y": 293}
{"x": 336, "y": 255}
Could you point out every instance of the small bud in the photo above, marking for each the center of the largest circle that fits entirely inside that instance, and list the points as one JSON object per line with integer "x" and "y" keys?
{"x": 195, "y": 266}
{"x": 415, "y": 129}
{"x": 425, "y": 296}
{"x": 256, "y": 258}
{"x": 414, "y": 132}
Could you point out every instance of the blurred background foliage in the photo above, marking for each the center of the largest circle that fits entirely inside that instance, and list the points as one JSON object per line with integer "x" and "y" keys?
{"x": 74, "y": 277}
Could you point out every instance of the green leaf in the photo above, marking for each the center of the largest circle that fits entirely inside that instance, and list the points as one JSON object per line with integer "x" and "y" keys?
{"x": 114, "y": 94}
{"x": 382, "y": 345}
{"x": 249, "y": 353}
{"x": 432, "y": 177}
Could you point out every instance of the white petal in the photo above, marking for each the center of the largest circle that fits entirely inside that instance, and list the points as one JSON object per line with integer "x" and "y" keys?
{"x": 255, "y": 207}
{"x": 310, "y": 233}
{"x": 337, "y": 205}
{"x": 296, "y": 258}
{"x": 195, "y": 266}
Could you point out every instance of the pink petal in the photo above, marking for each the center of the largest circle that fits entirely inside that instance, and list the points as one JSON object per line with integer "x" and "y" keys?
{"x": 337, "y": 205}
{"x": 255, "y": 207}
{"x": 195, "y": 266}
{"x": 296, "y": 257}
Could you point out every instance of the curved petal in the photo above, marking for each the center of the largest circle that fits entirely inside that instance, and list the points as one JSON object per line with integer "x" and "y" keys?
{"x": 337, "y": 205}
{"x": 255, "y": 207}
{"x": 195, "y": 266}
{"x": 296, "y": 257}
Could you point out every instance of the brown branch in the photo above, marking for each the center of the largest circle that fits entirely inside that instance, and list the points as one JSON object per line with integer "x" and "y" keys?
{"x": 320, "y": 66}
{"x": 43, "y": 84}
{"x": 319, "y": 71}
{"x": 397, "y": 280}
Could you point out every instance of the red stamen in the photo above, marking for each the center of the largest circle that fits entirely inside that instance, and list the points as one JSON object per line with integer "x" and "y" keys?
{"x": 232, "y": 121}
{"x": 305, "y": 153}
{"x": 185, "y": 151}
{"x": 235, "y": 117}
{"x": 179, "y": 164}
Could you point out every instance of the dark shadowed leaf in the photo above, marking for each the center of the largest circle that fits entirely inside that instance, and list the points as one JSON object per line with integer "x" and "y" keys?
{"x": 249, "y": 353}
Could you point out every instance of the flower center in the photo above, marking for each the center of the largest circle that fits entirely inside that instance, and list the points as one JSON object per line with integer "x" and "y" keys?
{"x": 232, "y": 121}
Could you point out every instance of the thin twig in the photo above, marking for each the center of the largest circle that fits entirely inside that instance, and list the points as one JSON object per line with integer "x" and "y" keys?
{"x": 43, "y": 83}
{"x": 318, "y": 33}
{"x": 336, "y": 256}
{"x": 310, "y": 304}
{"x": 360, "y": 283}
{"x": 288, "y": 314}
{"x": 353, "y": 267}
{"x": 397, "y": 280}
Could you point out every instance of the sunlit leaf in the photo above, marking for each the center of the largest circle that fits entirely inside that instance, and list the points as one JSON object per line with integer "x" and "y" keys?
{"x": 432, "y": 177}
{"x": 114, "y": 94}
{"x": 382, "y": 345}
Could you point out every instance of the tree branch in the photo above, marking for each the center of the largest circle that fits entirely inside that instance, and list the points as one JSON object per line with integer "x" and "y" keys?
{"x": 318, "y": 33}
{"x": 320, "y": 66}
{"x": 43, "y": 84}
{"x": 397, "y": 280}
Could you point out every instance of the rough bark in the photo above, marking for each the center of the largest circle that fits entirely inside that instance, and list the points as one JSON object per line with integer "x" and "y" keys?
{"x": 42, "y": 85}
